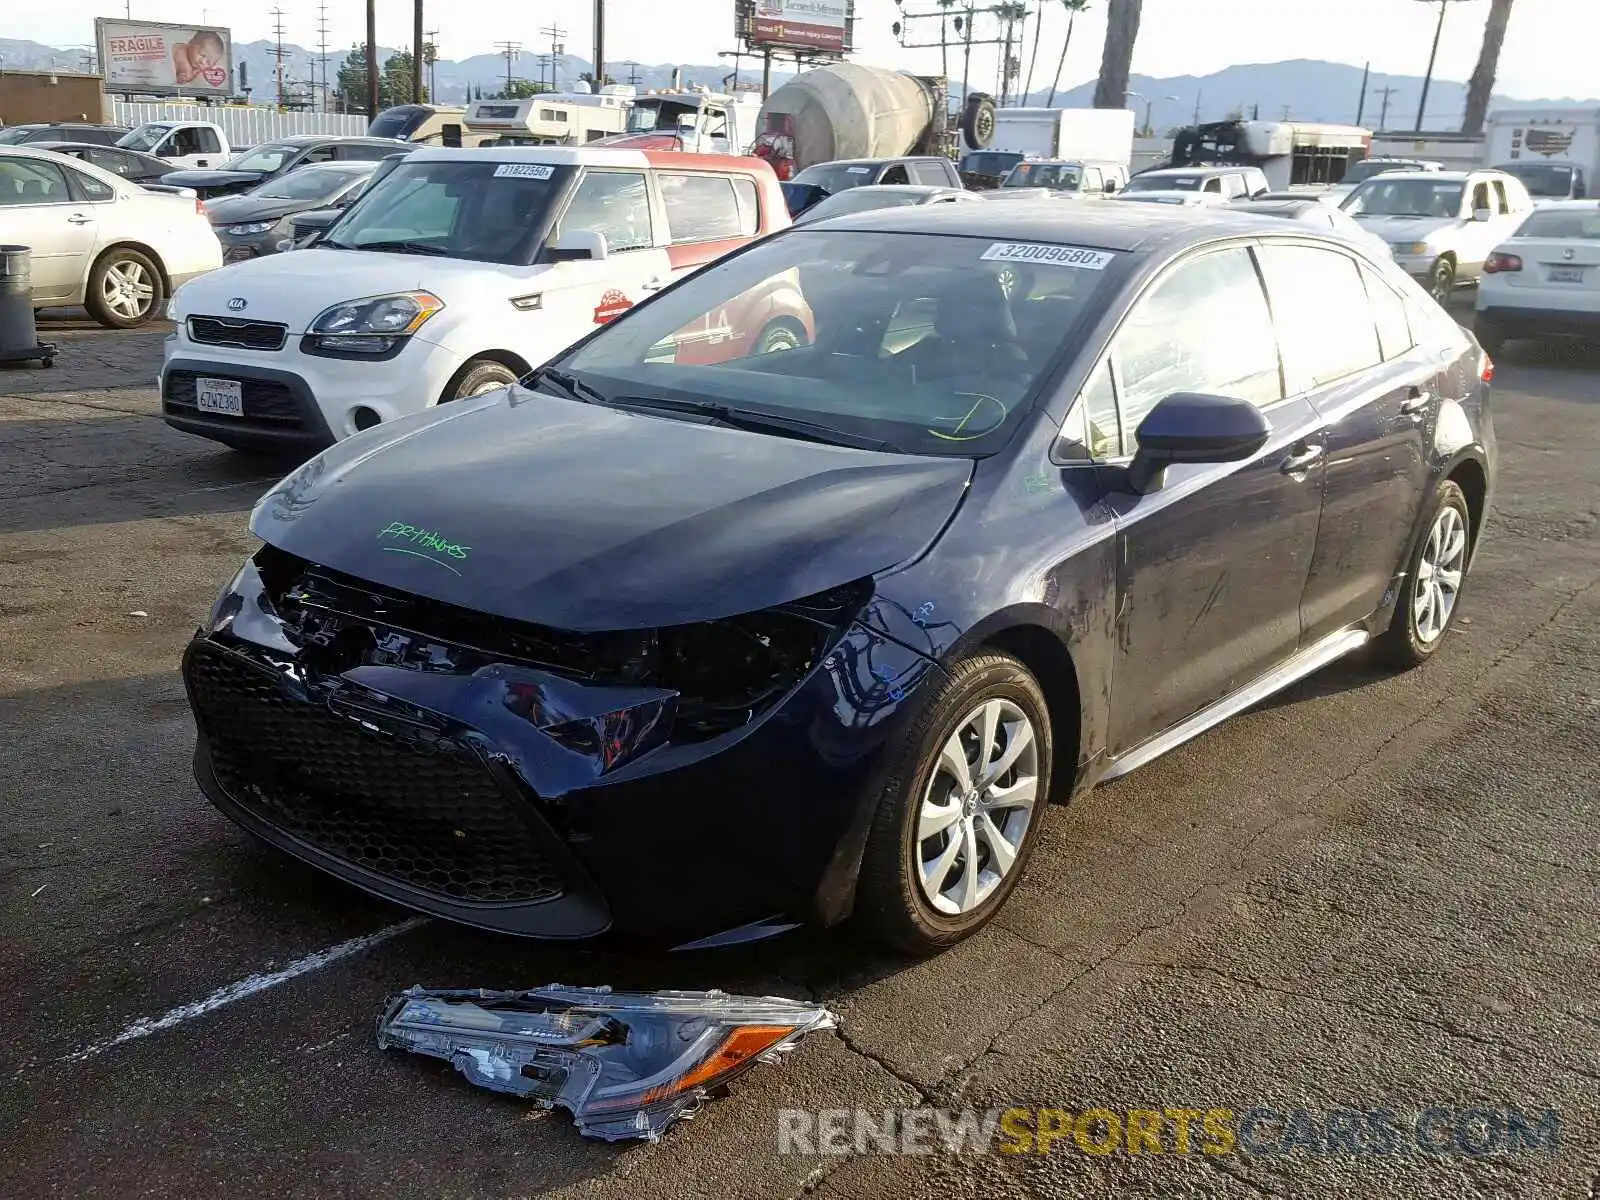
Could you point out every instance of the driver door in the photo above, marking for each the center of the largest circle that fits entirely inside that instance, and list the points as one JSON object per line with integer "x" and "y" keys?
{"x": 1211, "y": 566}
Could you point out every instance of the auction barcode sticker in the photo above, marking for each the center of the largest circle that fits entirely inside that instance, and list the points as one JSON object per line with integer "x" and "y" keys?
{"x": 524, "y": 171}
{"x": 1056, "y": 256}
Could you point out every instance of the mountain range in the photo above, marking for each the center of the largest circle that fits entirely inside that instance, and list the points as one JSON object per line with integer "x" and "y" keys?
{"x": 1302, "y": 89}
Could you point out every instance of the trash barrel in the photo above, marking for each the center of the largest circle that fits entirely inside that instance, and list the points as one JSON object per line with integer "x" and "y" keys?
{"x": 18, "y": 332}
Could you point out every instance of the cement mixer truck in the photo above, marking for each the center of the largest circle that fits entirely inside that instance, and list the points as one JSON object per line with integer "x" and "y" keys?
{"x": 850, "y": 111}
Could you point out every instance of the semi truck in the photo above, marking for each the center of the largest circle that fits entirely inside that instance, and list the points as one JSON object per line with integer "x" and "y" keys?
{"x": 852, "y": 111}
{"x": 1554, "y": 151}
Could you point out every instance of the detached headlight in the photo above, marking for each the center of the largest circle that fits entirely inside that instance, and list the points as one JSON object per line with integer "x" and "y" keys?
{"x": 375, "y": 325}
{"x": 1411, "y": 248}
{"x": 249, "y": 228}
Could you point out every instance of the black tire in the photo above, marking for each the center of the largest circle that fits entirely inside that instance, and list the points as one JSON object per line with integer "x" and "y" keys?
{"x": 785, "y": 333}
{"x": 1442, "y": 281}
{"x": 890, "y": 905}
{"x": 1489, "y": 337}
{"x": 478, "y": 375}
{"x": 977, "y": 120}
{"x": 1403, "y": 645}
{"x": 135, "y": 310}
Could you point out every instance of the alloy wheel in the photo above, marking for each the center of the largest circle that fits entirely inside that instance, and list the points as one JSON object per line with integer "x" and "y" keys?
{"x": 1439, "y": 573}
{"x": 977, "y": 807}
{"x": 128, "y": 289}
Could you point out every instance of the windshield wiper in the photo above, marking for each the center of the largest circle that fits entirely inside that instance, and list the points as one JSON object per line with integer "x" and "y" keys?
{"x": 396, "y": 247}
{"x": 575, "y": 388}
{"x": 758, "y": 422}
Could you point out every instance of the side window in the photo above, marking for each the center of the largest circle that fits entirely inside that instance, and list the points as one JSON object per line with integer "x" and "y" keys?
{"x": 207, "y": 141}
{"x": 1503, "y": 204}
{"x": 1204, "y": 327}
{"x": 1214, "y": 184}
{"x": 1093, "y": 180}
{"x": 91, "y": 188}
{"x": 1389, "y": 314}
{"x": 1233, "y": 186}
{"x": 1097, "y": 411}
{"x": 744, "y": 191}
{"x": 701, "y": 208}
{"x": 24, "y": 181}
{"x": 616, "y": 204}
{"x": 1480, "y": 198}
{"x": 109, "y": 160}
{"x": 931, "y": 173}
{"x": 1325, "y": 323}
{"x": 319, "y": 155}
{"x": 896, "y": 174}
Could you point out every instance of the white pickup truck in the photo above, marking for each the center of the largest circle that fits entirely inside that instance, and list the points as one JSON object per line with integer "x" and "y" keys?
{"x": 187, "y": 145}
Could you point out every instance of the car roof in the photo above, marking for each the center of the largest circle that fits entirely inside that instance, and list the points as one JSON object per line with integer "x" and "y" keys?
{"x": 899, "y": 189}
{"x": 349, "y": 166}
{"x": 591, "y": 156}
{"x": 1436, "y": 176}
{"x": 888, "y": 158}
{"x": 1126, "y": 228}
{"x": 317, "y": 139}
{"x": 1205, "y": 170}
{"x": 1589, "y": 204}
{"x": 1277, "y": 204}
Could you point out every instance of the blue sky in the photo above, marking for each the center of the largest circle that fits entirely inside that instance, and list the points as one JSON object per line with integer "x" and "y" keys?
{"x": 1549, "y": 51}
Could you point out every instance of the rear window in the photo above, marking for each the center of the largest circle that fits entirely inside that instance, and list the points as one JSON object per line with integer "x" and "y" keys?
{"x": 992, "y": 162}
{"x": 1558, "y": 223}
{"x": 836, "y": 177}
{"x": 1165, "y": 183}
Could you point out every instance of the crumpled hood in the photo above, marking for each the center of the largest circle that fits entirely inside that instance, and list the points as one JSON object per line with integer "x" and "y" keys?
{"x": 586, "y": 518}
{"x": 236, "y": 210}
{"x": 209, "y": 183}
{"x": 296, "y": 288}
{"x": 1406, "y": 229}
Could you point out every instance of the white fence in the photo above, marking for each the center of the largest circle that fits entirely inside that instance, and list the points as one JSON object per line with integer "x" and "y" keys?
{"x": 245, "y": 126}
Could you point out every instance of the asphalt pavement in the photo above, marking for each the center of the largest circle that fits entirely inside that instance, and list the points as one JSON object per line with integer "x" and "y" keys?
{"x": 1373, "y": 892}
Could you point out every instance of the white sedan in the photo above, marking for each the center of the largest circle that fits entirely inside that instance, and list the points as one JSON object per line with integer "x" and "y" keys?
{"x": 99, "y": 240}
{"x": 1544, "y": 280}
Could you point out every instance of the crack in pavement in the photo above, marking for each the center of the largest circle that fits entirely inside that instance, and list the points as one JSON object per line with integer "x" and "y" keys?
{"x": 37, "y": 398}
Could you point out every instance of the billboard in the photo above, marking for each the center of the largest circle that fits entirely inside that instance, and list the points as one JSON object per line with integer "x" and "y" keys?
{"x": 158, "y": 59}
{"x": 819, "y": 25}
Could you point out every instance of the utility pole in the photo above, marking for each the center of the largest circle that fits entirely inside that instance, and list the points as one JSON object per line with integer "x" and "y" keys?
{"x": 322, "y": 53}
{"x": 372, "y": 58}
{"x": 600, "y": 44}
{"x": 510, "y": 50}
{"x": 1361, "y": 105}
{"x": 1383, "y": 113}
{"x": 557, "y": 36}
{"x": 278, "y": 52}
{"x": 416, "y": 52}
{"x": 432, "y": 43}
{"x": 1433, "y": 56}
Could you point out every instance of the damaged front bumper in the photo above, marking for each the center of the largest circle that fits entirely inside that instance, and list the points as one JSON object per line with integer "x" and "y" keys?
{"x": 624, "y": 1065}
{"x": 527, "y": 782}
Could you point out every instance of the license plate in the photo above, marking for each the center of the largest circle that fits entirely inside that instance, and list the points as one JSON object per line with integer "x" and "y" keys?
{"x": 225, "y": 396}
{"x": 1566, "y": 274}
{"x": 238, "y": 254}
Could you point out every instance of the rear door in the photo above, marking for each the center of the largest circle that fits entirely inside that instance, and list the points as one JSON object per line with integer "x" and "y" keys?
{"x": 39, "y": 210}
{"x": 1213, "y": 564}
{"x": 1348, "y": 347}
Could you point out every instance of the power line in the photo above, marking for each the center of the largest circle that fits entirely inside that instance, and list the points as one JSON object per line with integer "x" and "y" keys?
{"x": 511, "y": 51}
{"x": 1383, "y": 113}
{"x": 558, "y": 47}
{"x": 278, "y": 52}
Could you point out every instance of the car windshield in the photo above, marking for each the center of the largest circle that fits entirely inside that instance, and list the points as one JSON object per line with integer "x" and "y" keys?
{"x": 930, "y": 344}
{"x": 308, "y": 183}
{"x": 486, "y": 211}
{"x": 836, "y": 177}
{"x": 1164, "y": 183}
{"x": 1380, "y": 197}
{"x": 18, "y": 134}
{"x": 1065, "y": 176}
{"x": 1563, "y": 223}
{"x": 146, "y": 137}
{"x": 861, "y": 201}
{"x": 1366, "y": 170}
{"x": 1542, "y": 179}
{"x": 266, "y": 159}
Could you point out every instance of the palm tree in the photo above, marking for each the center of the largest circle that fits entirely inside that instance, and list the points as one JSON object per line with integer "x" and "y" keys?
{"x": 1074, "y": 7}
{"x": 1122, "y": 30}
{"x": 1481, "y": 86}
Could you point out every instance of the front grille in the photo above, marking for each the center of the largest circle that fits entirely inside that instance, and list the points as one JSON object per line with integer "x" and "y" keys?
{"x": 247, "y": 335}
{"x": 423, "y": 811}
{"x": 266, "y": 401}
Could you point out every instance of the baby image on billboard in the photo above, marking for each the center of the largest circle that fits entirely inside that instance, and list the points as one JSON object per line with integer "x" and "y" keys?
{"x": 154, "y": 58}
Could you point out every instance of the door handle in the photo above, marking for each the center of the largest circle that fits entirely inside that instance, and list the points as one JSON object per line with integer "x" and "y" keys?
{"x": 655, "y": 285}
{"x": 77, "y": 219}
{"x": 1302, "y": 458}
{"x": 1415, "y": 404}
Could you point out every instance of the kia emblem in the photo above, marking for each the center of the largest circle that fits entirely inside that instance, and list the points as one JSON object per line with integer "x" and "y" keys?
{"x": 1569, "y": 253}
{"x": 237, "y": 304}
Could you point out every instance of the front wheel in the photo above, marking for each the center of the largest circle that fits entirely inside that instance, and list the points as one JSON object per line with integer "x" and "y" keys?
{"x": 956, "y": 818}
{"x": 480, "y": 375}
{"x": 1431, "y": 594}
{"x": 1442, "y": 281}
{"x": 124, "y": 290}
{"x": 783, "y": 334}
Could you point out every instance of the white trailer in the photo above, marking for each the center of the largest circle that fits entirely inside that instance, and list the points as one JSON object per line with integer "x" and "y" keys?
{"x": 1100, "y": 134}
{"x": 553, "y": 118}
{"x": 1555, "y": 151}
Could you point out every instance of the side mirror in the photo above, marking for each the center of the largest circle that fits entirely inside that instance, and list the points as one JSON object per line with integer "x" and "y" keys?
{"x": 579, "y": 243}
{"x": 1111, "y": 186}
{"x": 1482, "y": 214}
{"x": 1190, "y": 427}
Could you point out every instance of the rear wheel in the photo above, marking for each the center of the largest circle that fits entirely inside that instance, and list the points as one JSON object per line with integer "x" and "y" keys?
{"x": 955, "y": 821}
{"x": 783, "y": 334}
{"x": 1431, "y": 594}
{"x": 124, "y": 290}
{"x": 480, "y": 375}
{"x": 1442, "y": 280}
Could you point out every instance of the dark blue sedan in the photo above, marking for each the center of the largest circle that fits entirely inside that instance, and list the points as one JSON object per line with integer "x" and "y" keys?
{"x": 702, "y": 633}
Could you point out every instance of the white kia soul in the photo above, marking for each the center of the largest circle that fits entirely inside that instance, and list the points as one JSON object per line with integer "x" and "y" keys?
{"x": 457, "y": 274}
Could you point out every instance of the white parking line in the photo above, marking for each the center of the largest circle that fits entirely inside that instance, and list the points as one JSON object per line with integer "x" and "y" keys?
{"x": 247, "y": 986}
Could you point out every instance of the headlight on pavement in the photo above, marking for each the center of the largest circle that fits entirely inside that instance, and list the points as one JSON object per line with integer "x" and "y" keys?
{"x": 246, "y": 230}
{"x": 373, "y": 325}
